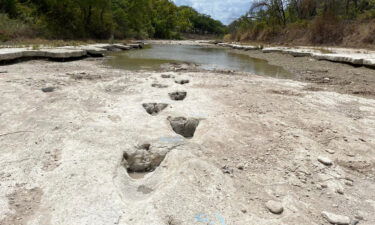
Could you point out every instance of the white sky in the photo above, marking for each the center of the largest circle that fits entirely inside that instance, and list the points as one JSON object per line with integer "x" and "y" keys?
{"x": 224, "y": 10}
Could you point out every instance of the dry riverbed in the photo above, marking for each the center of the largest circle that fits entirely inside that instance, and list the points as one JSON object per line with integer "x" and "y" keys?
{"x": 81, "y": 143}
{"x": 323, "y": 75}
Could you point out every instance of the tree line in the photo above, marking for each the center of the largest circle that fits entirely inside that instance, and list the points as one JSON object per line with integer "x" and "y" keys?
{"x": 325, "y": 21}
{"x": 103, "y": 19}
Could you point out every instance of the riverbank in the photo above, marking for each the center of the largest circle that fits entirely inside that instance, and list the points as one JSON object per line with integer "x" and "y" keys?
{"x": 322, "y": 74}
{"x": 264, "y": 150}
{"x": 13, "y": 55}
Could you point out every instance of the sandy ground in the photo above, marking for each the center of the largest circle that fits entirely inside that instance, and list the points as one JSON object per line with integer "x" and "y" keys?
{"x": 64, "y": 154}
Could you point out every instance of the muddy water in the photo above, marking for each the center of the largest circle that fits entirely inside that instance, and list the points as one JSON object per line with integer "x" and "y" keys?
{"x": 207, "y": 57}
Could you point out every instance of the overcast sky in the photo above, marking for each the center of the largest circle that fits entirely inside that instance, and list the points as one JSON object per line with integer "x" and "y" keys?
{"x": 224, "y": 10}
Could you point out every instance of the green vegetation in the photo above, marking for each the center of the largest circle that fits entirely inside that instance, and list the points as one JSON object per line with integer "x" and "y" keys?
{"x": 307, "y": 21}
{"x": 101, "y": 19}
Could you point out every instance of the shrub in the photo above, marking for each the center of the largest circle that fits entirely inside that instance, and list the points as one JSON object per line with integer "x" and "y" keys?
{"x": 367, "y": 15}
{"x": 227, "y": 37}
{"x": 326, "y": 29}
{"x": 12, "y": 28}
{"x": 369, "y": 37}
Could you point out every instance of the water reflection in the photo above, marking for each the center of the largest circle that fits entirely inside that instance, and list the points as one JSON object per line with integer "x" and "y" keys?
{"x": 208, "y": 58}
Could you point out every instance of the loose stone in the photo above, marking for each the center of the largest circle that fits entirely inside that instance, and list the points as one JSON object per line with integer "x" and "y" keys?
{"x": 182, "y": 81}
{"x": 325, "y": 161}
{"x": 48, "y": 89}
{"x": 336, "y": 219}
{"x": 330, "y": 151}
{"x": 274, "y": 207}
{"x": 166, "y": 76}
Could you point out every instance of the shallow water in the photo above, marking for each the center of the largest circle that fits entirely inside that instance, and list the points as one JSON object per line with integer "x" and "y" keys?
{"x": 207, "y": 57}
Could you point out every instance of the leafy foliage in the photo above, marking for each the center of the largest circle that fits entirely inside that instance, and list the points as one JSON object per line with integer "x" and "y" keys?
{"x": 323, "y": 20}
{"x": 102, "y": 19}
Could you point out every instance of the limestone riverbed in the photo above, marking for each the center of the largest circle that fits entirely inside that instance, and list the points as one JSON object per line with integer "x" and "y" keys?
{"x": 180, "y": 146}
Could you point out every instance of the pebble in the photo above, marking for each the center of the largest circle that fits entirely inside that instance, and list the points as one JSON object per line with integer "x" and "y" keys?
{"x": 330, "y": 151}
{"x": 325, "y": 161}
{"x": 336, "y": 219}
{"x": 274, "y": 207}
{"x": 340, "y": 190}
{"x": 166, "y": 76}
{"x": 350, "y": 154}
{"x": 48, "y": 89}
{"x": 241, "y": 167}
{"x": 227, "y": 170}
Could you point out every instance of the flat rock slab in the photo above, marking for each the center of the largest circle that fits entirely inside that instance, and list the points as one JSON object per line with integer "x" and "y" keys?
{"x": 111, "y": 47}
{"x": 122, "y": 47}
{"x": 91, "y": 50}
{"x": 55, "y": 53}
{"x": 65, "y": 52}
{"x": 136, "y": 45}
{"x": 251, "y": 47}
{"x": 343, "y": 58}
{"x": 369, "y": 62}
{"x": 340, "y": 55}
{"x": 11, "y": 53}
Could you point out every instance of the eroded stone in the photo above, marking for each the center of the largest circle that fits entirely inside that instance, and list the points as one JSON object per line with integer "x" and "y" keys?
{"x": 154, "y": 108}
{"x": 336, "y": 219}
{"x": 178, "y": 95}
{"x": 184, "y": 126}
{"x": 143, "y": 159}
{"x": 182, "y": 81}
{"x": 159, "y": 85}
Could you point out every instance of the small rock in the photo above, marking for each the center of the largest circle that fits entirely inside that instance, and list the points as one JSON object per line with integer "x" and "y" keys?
{"x": 182, "y": 81}
{"x": 340, "y": 191}
{"x": 354, "y": 222}
{"x": 241, "y": 167}
{"x": 326, "y": 79}
{"x": 226, "y": 169}
{"x": 274, "y": 207}
{"x": 330, "y": 151}
{"x": 48, "y": 89}
{"x": 361, "y": 139}
{"x": 349, "y": 182}
{"x": 350, "y": 154}
{"x": 360, "y": 215}
{"x": 325, "y": 161}
{"x": 166, "y": 76}
{"x": 336, "y": 219}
